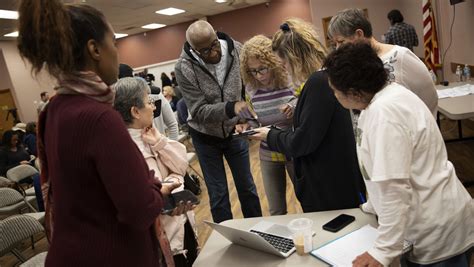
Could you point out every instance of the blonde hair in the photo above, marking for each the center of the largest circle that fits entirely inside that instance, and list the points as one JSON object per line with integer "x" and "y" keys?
{"x": 168, "y": 90}
{"x": 260, "y": 48}
{"x": 297, "y": 42}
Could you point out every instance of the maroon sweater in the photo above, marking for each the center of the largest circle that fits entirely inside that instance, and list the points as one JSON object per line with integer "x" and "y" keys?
{"x": 104, "y": 200}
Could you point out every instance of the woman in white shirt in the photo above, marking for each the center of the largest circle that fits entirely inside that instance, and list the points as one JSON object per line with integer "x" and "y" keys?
{"x": 412, "y": 186}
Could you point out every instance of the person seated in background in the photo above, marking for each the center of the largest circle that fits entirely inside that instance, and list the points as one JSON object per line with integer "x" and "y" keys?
{"x": 20, "y": 130}
{"x": 412, "y": 187}
{"x": 167, "y": 120}
{"x": 12, "y": 152}
{"x": 164, "y": 156}
{"x": 29, "y": 140}
{"x": 168, "y": 93}
{"x": 272, "y": 98}
{"x": 321, "y": 141}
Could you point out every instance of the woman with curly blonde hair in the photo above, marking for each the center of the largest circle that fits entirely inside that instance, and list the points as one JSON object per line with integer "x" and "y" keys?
{"x": 272, "y": 98}
{"x": 321, "y": 141}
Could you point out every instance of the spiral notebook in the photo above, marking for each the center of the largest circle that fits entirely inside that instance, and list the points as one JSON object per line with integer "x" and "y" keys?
{"x": 342, "y": 251}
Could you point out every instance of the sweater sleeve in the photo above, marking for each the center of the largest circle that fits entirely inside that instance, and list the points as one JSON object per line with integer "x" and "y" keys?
{"x": 124, "y": 173}
{"x": 200, "y": 109}
{"x": 314, "y": 119}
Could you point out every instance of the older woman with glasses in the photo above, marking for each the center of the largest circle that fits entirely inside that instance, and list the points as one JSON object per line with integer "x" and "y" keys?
{"x": 167, "y": 158}
{"x": 272, "y": 98}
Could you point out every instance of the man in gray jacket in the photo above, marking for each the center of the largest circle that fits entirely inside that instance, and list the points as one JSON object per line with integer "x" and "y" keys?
{"x": 209, "y": 77}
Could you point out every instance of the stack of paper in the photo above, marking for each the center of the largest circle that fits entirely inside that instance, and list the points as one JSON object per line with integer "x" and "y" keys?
{"x": 342, "y": 251}
{"x": 462, "y": 90}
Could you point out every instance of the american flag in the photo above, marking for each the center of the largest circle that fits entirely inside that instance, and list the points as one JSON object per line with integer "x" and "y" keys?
{"x": 430, "y": 37}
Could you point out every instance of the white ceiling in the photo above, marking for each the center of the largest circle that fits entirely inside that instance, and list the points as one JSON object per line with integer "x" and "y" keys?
{"x": 127, "y": 16}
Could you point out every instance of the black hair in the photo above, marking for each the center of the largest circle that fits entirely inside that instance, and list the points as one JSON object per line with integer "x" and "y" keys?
{"x": 356, "y": 68}
{"x": 53, "y": 35}
{"x": 395, "y": 16}
{"x": 43, "y": 94}
{"x": 7, "y": 139}
{"x": 125, "y": 71}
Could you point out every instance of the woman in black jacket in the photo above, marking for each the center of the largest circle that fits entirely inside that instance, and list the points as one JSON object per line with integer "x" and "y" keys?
{"x": 12, "y": 152}
{"x": 321, "y": 142}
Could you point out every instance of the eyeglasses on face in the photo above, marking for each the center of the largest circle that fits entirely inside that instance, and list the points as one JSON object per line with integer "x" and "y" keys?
{"x": 207, "y": 50}
{"x": 151, "y": 101}
{"x": 261, "y": 71}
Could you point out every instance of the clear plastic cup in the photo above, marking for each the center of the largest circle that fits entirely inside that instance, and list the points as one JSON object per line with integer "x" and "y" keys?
{"x": 302, "y": 235}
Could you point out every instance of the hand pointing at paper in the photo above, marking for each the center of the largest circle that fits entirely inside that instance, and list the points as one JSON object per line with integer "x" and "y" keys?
{"x": 366, "y": 260}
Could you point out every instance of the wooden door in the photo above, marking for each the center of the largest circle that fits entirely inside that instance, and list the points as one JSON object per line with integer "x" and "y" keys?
{"x": 6, "y": 104}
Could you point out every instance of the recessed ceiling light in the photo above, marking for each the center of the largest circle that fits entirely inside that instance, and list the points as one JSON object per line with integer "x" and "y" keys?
{"x": 12, "y": 34}
{"x": 220, "y": 1}
{"x": 8, "y": 14}
{"x": 170, "y": 11}
{"x": 120, "y": 35}
{"x": 153, "y": 26}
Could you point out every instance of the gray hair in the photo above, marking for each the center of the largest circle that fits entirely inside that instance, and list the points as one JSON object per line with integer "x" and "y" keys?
{"x": 129, "y": 93}
{"x": 347, "y": 21}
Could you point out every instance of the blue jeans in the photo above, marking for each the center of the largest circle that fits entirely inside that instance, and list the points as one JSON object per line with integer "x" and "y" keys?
{"x": 236, "y": 152}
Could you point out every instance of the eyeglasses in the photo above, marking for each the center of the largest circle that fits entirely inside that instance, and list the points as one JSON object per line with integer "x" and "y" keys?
{"x": 207, "y": 51}
{"x": 151, "y": 101}
{"x": 261, "y": 71}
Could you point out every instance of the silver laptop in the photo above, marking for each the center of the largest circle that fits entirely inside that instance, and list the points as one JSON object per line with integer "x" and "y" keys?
{"x": 265, "y": 236}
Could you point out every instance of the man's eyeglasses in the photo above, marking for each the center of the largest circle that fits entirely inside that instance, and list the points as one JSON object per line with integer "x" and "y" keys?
{"x": 261, "y": 71}
{"x": 207, "y": 51}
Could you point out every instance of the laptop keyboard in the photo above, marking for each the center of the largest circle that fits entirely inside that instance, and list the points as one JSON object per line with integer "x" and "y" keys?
{"x": 280, "y": 243}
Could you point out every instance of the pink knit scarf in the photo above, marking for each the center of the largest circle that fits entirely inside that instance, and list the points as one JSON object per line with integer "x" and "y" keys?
{"x": 86, "y": 83}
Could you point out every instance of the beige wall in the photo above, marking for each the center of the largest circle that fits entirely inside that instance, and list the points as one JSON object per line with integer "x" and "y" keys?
{"x": 25, "y": 89}
{"x": 461, "y": 50}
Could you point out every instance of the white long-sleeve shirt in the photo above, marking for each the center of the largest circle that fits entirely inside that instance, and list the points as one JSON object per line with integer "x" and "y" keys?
{"x": 167, "y": 119}
{"x": 412, "y": 186}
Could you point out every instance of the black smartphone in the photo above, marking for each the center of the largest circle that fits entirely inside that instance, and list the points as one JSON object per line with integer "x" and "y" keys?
{"x": 172, "y": 200}
{"x": 338, "y": 223}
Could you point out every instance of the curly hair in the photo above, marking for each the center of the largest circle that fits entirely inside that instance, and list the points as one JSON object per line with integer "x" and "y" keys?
{"x": 260, "y": 48}
{"x": 297, "y": 42}
{"x": 355, "y": 68}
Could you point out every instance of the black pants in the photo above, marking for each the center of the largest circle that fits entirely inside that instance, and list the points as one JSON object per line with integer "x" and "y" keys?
{"x": 191, "y": 245}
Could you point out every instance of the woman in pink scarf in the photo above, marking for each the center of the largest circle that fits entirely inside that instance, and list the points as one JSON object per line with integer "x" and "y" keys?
{"x": 164, "y": 156}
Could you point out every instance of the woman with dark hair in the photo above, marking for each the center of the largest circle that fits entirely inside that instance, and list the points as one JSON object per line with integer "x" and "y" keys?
{"x": 12, "y": 152}
{"x": 321, "y": 141}
{"x": 105, "y": 200}
{"x": 411, "y": 185}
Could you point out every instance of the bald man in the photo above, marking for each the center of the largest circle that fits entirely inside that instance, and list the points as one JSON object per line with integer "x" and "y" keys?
{"x": 208, "y": 74}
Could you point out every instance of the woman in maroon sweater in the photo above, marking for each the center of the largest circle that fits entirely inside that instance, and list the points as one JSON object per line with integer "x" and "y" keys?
{"x": 105, "y": 200}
